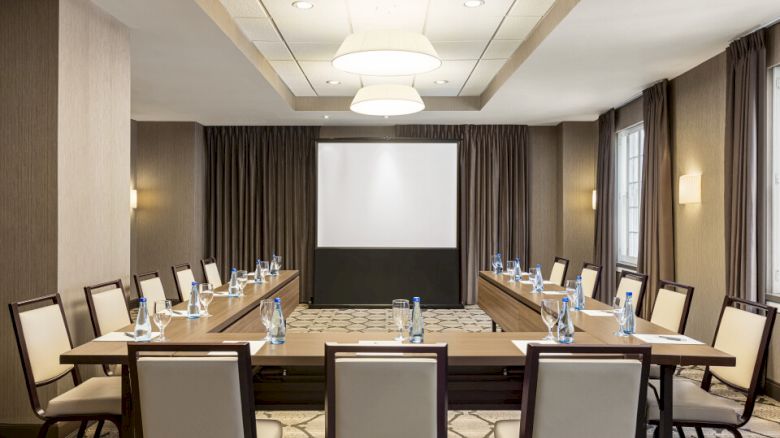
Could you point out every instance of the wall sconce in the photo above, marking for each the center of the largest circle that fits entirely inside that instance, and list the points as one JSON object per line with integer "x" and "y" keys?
{"x": 593, "y": 200}
{"x": 133, "y": 199}
{"x": 690, "y": 189}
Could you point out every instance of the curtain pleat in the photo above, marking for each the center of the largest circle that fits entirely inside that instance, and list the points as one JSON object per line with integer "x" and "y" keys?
{"x": 656, "y": 230}
{"x": 745, "y": 157}
{"x": 492, "y": 193}
{"x": 604, "y": 245}
{"x": 260, "y": 197}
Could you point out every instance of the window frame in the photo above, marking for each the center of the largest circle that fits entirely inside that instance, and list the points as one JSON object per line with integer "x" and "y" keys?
{"x": 772, "y": 292}
{"x": 623, "y": 228}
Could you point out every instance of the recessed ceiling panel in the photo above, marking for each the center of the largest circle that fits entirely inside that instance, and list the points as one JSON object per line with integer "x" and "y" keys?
{"x": 326, "y": 22}
{"x": 244, "y": 8}
{"x": 321, "y": 72}
{"x": 530, "y": 8}
{"x": 382, "y": 14}
{"x": 501, "y": 49}
{"x": 459, "y": 50}
{"x": 395, "y": 80}
{"x": 314, "y": 51}
{"x": 257, "y": 29}
{"x": 516, "y": 28}
{"x": 293, "y": 77}
{"x": 454, "y": 72}
{"x": 484, "y": 72}
{"x": 274, "y": 51}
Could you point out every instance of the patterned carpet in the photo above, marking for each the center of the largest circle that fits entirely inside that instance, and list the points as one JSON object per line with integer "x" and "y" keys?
{"x": 466, "y": 424}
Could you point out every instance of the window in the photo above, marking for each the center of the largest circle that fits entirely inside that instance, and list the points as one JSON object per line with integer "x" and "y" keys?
{"x": 628, "y": 167}
{"x": 773, "y": 207}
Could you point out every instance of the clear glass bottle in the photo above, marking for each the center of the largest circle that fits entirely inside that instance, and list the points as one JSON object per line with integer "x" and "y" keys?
{"x": 499, "y": 264}
{"x": 579, "y": 295}
{"x": 628, "y": 310}
{"x": 258, "y": 273}
{"x": 538, "y": 279}
{"x": 234, "y": 288}
{"x": 193, "y": 305}
{"x": 417, "y": 330}
{"x": 278, "y": 329}
{"x": 518, "y": 270}
{"x": 143, "y": 326}
{"x": 565, "y": 324}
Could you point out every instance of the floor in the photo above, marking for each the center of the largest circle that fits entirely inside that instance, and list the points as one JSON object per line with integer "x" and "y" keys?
{"x": 464, "y": 424}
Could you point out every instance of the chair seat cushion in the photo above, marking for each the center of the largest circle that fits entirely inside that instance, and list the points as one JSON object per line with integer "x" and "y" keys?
{"x": 269, "y": 429}
{"x": 691, "y": 403}
{"x": 507, "y": 429}
{"x": 98, "y": 395}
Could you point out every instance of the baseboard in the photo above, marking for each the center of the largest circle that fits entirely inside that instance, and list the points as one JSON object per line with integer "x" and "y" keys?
{"x": 772, "y": 389}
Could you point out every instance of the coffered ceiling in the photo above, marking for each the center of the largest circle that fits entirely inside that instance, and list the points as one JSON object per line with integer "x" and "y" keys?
{"x": 473, "y": 43}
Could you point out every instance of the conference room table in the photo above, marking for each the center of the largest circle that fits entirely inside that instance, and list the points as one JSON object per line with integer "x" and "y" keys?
{"x": 237, "y": 319}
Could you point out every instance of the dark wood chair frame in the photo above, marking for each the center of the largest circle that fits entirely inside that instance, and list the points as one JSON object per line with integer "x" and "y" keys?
{"x": 751, "y": 393}
{"x": 530, "y": 379}
{"x": 138, "y": 278}
{"x": 89, "y": 291}
{"x": 565, "y": 267}
{"x": 597, "y": 268}
{"x": 639, "y": 298}
{"x": 174, "y": 270}
{"x": 688, "y": 291}
{"x": 241, "y": 349}
{"x": 203, "y": 263}
{"x": 32, "y": 385}
{"x": 439, "y": 351}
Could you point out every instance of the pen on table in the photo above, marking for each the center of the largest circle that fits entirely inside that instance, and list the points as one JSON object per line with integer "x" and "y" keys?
{"x": 670, "y": 338}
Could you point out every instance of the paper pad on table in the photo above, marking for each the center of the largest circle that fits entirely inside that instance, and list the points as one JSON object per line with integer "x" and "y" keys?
{"x": 667, "y": 339}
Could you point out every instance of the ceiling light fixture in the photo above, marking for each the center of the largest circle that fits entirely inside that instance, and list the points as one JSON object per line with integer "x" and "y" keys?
{"x": 386, "y": 53}
{"x": 332, "y": 82}
{"x": 302, "y": 5}
{"x": 387, "y": 100}
{"x": 441, "y": 82}
{"x": 473, "y": 3}
{"x": 326, "y": 117}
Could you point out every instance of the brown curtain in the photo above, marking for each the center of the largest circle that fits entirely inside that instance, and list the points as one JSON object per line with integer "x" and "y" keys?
{"x": 604, "y": 245}
{"x": 492, "y": 198}
{"x": 260, "y": 197}
{"x": 656, "y": 229}
{"x": 745, "y": 158}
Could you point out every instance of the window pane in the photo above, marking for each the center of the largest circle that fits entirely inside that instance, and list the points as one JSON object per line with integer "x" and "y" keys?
{"x": 628, "y": 187}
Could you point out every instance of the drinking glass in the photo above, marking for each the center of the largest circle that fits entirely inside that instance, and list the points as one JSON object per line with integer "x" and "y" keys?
{"x": 550, "y": 309}
{"x": 266, "y": 313}
{"x": 242, "y": 277}
{"x": 620, "y": 316}
{"x": 162, "y": 316}
{"x": 571, "y": 288}
{"x": 276, "y": 264}
{"x": 264, "y": 268}
{"x": 206, "y": 294}
{"x": 400, "y": 317}
{"x": 510, "y": 268}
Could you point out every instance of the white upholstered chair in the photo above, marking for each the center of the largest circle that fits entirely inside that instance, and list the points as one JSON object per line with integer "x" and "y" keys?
{"x": 196, "y": 390}
{"x": 183, "y": 276}
{"x": 744, "y": 330}
{"x": 386, "y": 391}
{"x": 211, "y": 271}
{"x": 558, "y": 272}
{"x": 671, "y": 307}
{"x": 591, "y": 276}
{"x": 108, "y": 311}
{"x": 635, "y": 283}
{"x": 150, "y": 286}
{"x": 587, "y": 391}
{"x": 42, "y": 335}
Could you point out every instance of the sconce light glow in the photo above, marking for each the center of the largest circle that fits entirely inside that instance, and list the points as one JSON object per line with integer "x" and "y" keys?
{"x": 133, "y": 199}
{"x": 593, "y": 200}
{"x": 690, "y": 189}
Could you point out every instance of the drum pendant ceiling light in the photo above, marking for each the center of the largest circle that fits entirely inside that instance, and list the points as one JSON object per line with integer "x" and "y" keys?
{"x": 386, "y": 53}
{"x": 387, "y": 100}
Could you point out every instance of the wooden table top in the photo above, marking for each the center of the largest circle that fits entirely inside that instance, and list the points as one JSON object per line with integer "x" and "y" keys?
{"x": 603, "y": 328}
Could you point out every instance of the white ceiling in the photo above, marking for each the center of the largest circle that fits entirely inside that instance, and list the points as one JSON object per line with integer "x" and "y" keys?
{"x": 601, "y": 55}
{"x": 301, "y": 43}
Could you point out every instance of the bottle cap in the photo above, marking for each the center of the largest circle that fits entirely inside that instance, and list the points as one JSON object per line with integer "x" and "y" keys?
{"x": 194, "y": 283}
{"x": 233, "y": 270}
{"x": 628, "y": 294}
{"x": 258, "y": 261}
{"x": 579, "y": 277}
{"x": 415, "y": 299}
{"x": 565, "y": 299}
{"x": 277, "y": 300}
{"x": 538, "y": 265}
{"x": 142, "y": 300}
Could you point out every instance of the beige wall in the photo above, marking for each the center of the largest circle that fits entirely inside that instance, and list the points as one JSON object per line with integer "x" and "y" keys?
{"x": 544, "y": 188}
{"x": 169, "y": 173}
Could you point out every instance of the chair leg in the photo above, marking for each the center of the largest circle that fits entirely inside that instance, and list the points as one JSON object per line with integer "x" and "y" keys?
{"x": 699, "y": 432}
{"x": 494, "y": 325}
{"x": 656, "y": 432}
{"x": 680, "y": 432}
{"x": 99, "y": 428}
{"x": 82, "y": 429}
{"x": 735, "y": 432}
{"x": 45, "y": 428}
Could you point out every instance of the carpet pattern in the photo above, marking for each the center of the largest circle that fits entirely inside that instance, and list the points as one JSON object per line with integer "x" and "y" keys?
{"x": 467, "y": 424}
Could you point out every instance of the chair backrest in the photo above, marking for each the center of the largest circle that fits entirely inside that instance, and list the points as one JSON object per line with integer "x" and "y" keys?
{"x": 187, "y": 390}
{"x": 211, "y": 271}
{"x": 107, "y": 306}
{"x": 635, "y": 283}
{"x": 149, "y": 286}
{"x": 560, "y": 380}
{"x": 672, "y": 305}
{"x": 183, "y": 276}
{"x": 558, "y": 273}
{"x": 42, "y": 335}
{"x": 591, "y": 276}
{"x": 409, "y": 380}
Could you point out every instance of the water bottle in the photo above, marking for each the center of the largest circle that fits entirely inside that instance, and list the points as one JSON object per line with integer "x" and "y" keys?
{"x": 274, "y": 265}
{"x": 234, "y": 289}
{"x": 565, "y": 324}
{"x": 579, "y": 296}
{"x": 628, "y": 309}
{"x": 499, "y": 264}
{"x": 143, "y": 327}
{"x": 193, "y": 306}
{"x": 518, "y": 270}
{"x": 278, "y": 330}
{"x": 258, "y": 276}
{"x": 417, "y": 330}
{"x": 538, "y": 280}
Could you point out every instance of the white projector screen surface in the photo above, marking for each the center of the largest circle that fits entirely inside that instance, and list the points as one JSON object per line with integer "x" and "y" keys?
{"x": 387, "y": 195}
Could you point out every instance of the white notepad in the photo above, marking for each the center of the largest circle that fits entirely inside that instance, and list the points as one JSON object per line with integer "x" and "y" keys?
{"x": 667, "y": 339}
{"x": 554, "y": 292}
{"x": 597, "y": 313}
{"x": 122, "y": 337}
{"x": 523, "y": 345}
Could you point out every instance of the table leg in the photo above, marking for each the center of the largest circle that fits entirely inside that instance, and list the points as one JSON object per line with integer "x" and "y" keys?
{"x": 665, "y": 427}
{"x": 494, "y": 325}
{"x": 127, "y": 405}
